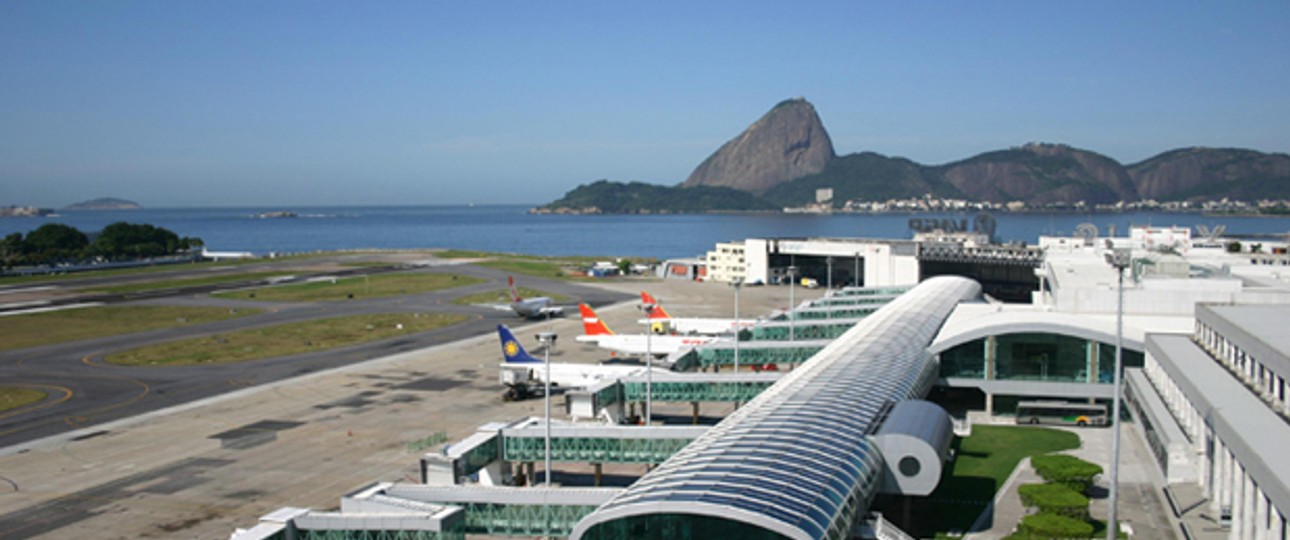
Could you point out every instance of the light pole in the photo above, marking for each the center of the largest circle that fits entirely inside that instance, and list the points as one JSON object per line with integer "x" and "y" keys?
{"x": 829, "y": 285}
{"x": 792, "y": 285}
{"x": 1119, "y": 258}
{"x": 738, "y": 284}
{"x": 855, "y": 278}
{"x": 649, "y": 363}
{"x": 547, "y": 339}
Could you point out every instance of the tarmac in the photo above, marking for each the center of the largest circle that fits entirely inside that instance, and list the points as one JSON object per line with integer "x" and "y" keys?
{"x": 205, "y": 467}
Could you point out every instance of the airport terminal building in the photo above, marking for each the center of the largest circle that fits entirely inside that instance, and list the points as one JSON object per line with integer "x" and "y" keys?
{"x": 1206, "y": 358}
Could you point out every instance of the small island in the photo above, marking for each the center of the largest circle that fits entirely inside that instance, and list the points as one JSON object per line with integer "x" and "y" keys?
{"x": 277, "y": 214}
{"x": 104, "y": 203}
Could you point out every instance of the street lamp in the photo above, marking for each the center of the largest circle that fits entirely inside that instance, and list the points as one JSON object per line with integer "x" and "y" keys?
{"x": 649, "y": 362}
{"x": 1119, "y": 258}
{"x": 855, "y": 277}
{"x": 792, "y": 285}
{"x": 829, "y": 281}
{"x": 547, "y": 339}
{"x": 738, "y": 284}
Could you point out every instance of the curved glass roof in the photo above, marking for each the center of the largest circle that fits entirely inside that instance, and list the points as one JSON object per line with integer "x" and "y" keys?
{"x": 795, "y": 461}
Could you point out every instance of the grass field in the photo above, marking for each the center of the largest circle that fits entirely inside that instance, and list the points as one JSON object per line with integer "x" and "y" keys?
{"x": 355, "y": 287}
{"x": 982, "y": 464}
{"x": 12, "y": 398}
{"x": 503, "y": 296}
{"x": 529, "y": 265}
{"x": 282, "y": 340}
{"x": 214, "y": 279}
{"x": 20, "y": 331}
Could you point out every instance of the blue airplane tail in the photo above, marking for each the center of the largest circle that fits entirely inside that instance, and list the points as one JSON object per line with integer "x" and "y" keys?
{"x": 512, "y": 351}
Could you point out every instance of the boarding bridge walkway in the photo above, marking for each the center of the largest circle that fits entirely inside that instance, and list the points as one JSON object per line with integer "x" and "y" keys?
{"x": 608, "y": 399}
{"x": 895, "y": 290}
{"x": 721, "y": 354}
{"x": 816, "y": 329}
{"x": 486, "y": 453}
{"x": 501, "y": 511}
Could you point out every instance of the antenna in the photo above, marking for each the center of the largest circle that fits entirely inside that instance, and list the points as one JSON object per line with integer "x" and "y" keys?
{"x": 1088, "y": 231}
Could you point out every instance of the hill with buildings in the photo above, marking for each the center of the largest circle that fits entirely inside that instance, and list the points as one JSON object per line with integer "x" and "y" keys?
{"x": 786, "y": 156}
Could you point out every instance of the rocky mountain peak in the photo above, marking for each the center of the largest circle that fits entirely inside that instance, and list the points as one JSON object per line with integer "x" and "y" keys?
{"x": 787, "y": 143}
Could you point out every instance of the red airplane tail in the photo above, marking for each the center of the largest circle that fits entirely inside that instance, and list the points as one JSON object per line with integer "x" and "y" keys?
{"x": 658, "y": 312}
{"x": 591, "y": 324}
{"x": 515, "y": 295}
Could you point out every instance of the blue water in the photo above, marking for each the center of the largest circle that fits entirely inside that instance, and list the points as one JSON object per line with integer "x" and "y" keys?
{"x": 512, "y": 229}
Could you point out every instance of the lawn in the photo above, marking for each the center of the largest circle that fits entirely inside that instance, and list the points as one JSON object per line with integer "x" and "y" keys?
{"x": 282, "y": 340}
{"x": 31, "y": 330}
{"x": 981, "y": 465}
{"x": 354, "y": 287}
{"x": 529, "y": 265}
{"x": 503, "y": 296}
{"x": 214, "y": 279}
{"x": 12, "y": 398}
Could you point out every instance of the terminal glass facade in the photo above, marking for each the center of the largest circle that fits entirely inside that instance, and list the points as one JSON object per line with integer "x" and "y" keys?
{"x": 1035, "y": 357}
{"x": 672, "y": 526}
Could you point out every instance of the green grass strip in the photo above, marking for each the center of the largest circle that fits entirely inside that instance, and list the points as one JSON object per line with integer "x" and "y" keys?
{"x": 214, "y": 279}
{"x": 503, "y": 296}
{"x": 981, "y": 465}
{"x": 354, "y": 287}
{"x": 282, "y": 340}
{"x": 35, "y": 329}
{"x": 12, "y": 398}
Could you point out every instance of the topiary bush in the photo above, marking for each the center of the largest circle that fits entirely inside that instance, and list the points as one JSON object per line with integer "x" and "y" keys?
{"x": 1071, "y": 471}
{"x": 1055, "y": 499}
{"x": 1045, "y": 525}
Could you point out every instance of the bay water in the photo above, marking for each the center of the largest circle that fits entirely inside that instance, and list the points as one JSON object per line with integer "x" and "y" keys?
{"x": 511, "y": 229}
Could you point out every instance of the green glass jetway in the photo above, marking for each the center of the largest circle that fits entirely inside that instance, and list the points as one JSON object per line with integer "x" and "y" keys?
{"x": 498, "y": 511}
{"x": 756, "y": 353}
{"x": 817, "y": 329}
{"x": 598, "y": 444}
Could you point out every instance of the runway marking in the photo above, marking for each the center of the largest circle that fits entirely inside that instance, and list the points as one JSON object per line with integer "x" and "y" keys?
{"x": 67, "y": 394}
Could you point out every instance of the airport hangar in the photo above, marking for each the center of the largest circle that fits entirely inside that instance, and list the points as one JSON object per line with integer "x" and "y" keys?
{"x": 1209, "y": 396}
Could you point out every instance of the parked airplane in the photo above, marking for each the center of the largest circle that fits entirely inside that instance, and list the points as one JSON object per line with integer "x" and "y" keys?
{"x": 520, "y": 370}
{"x": 532, "y": 308}
{"x": 690, "y": 325}
{"x": 596, "y": 331}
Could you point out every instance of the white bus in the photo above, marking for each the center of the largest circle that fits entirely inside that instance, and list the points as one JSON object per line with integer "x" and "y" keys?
{"x": 1061, "y": 412}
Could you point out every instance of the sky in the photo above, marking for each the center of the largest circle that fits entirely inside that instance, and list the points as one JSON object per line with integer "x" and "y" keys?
{"x": 278, "y": 103}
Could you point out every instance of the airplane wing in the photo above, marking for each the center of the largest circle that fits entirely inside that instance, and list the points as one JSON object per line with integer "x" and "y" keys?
{"x": 551, "y": 310}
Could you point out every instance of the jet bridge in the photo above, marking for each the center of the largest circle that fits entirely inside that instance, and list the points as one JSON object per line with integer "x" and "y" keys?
{"x": 488, "y": 454}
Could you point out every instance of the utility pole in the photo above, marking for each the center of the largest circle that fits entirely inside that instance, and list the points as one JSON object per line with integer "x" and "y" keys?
{"x": 1120, "y": 259}
{"x": 649, "y": 363}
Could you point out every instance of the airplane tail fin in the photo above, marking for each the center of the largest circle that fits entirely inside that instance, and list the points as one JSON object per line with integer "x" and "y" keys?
{"x": 658, "y": 312}
{"x": 515, "y": 295}
{"x": 512, "y": 351}
{"x": 591, "y": 324}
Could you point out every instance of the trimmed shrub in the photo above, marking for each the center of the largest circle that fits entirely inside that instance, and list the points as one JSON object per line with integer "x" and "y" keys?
{"x": 1055, "y": 499}
{"x": 1045, "y": 525}
{"x": 1071, "y": 471}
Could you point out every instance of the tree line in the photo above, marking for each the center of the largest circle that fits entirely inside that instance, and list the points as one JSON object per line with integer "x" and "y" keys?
{"x": 55, "y": 243}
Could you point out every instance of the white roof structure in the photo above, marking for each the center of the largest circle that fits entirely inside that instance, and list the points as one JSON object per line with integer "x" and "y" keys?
{"x": 796, "y": 461}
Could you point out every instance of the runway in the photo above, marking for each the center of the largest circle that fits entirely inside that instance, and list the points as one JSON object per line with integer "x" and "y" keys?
{"x": 84, "y": 391}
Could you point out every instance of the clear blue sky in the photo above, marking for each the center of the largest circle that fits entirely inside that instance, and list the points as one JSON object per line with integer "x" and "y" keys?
{"x": 278, "y": 103}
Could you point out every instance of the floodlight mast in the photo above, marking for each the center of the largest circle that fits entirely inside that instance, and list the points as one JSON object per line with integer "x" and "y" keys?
{"x": 1120, "y": 259}
{"x": 547, "y": 339}
{"x": 649, "y": 362}
{"x": 792, "y": 285}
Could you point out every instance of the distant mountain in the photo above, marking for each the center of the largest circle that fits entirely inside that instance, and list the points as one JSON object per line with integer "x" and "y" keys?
{"x": 788, "y": 142}
{"x": 104, "y": 203}
{"x": 608, "y": 197}
{"x": 1040, "y": 174}
{"x": 1213, "y": 173}
{"x": 786, "y": 155}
